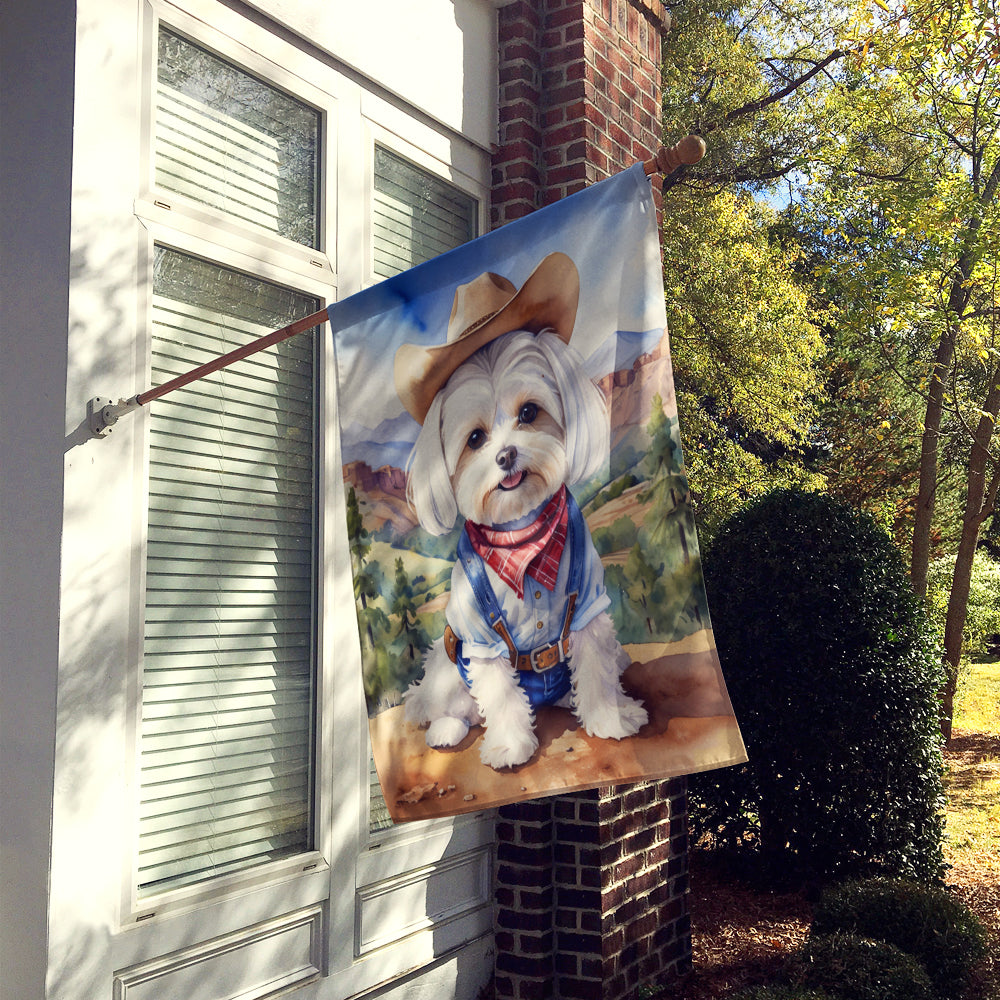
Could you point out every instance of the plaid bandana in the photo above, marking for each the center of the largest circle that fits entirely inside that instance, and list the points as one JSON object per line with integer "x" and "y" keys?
{"x": 536, "y": 548}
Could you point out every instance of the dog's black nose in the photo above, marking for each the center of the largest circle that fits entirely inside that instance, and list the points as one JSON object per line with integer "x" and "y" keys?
{"x": 506, "y": 458}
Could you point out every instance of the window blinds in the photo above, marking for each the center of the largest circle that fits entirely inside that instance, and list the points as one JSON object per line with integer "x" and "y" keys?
{"x": 227, "y": 681}
{"x": 416, "y": 215}
{"x": 225, "y": 139}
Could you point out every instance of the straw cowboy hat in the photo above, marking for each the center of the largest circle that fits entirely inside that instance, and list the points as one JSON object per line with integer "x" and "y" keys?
{"x": 483, "y": 310}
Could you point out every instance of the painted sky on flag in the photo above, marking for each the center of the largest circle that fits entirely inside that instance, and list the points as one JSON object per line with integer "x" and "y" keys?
{"x": 414, "y": 307}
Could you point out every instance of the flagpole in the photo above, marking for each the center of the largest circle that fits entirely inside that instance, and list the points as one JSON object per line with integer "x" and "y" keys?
{"x": 103, "y": 413}
{"x": 687, "y": 152}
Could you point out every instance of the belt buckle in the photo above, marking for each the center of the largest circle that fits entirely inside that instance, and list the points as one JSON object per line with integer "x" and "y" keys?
{"x": 537, "y": 667}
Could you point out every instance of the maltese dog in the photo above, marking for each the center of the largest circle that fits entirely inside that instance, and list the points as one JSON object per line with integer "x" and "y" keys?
{"x": 510, "y": 419}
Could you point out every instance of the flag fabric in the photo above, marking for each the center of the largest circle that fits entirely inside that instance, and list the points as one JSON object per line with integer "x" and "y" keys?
{"x": 530, "y": 609}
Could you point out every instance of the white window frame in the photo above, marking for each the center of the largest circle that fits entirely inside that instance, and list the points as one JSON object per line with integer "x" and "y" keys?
{"x": 180, "y": 224}
{"x": 350, "y": 876}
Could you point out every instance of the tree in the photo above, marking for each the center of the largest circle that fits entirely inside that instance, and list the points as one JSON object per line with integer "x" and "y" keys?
{"x": 747, "y": 356}
{"x": 914, "y": 188}
{"x": 746, "y": 349}
{"x": 745, "y": 76}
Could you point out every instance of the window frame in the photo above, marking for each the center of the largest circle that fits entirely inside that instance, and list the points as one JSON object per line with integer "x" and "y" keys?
{"x": 177, "y": 223}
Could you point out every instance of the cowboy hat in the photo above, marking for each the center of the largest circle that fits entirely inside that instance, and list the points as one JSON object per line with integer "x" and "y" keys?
{"x": 484, "y": 309}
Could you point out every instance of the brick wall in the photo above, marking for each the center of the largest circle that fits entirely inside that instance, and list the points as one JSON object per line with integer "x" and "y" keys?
{"x": 591, "y": 893}
{"x": 591, "y": 888}
{"x": 579, "y": 96}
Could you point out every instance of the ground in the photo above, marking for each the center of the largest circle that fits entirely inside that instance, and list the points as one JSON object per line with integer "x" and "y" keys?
{"x": 742, "y": 935}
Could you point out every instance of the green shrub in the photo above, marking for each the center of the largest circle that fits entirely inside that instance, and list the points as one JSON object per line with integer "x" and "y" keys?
{"x": 833, "y": 673}
{"x": 782, "y": 993}
{"x": 982, "y": 619}
{"x": 856, "y": 968}
{"x": 925, "y": 922}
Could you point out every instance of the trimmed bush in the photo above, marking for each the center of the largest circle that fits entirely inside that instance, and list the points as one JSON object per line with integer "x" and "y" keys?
{"x": 856, "y": 968}
{"x": 782, "y": 993}
{"x": 833, "y": 671}
{"x": 925, "y": 922}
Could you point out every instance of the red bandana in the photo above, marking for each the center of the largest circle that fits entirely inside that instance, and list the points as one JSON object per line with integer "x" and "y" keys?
{"x": 536, "y": 548}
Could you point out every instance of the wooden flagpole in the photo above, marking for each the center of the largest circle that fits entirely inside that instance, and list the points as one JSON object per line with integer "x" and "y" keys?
{"x": 687, "y": 152}
{"x": 102, "y": 413}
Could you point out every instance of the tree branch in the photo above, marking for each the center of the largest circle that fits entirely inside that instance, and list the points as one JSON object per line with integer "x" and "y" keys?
{"x": 754, "y": 106}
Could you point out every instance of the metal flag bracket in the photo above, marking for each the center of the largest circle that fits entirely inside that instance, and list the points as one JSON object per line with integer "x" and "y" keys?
{"x": 103, "y": 413}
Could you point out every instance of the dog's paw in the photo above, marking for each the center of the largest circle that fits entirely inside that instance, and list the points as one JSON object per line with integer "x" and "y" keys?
{"x": 616, "y": 722}
{"x": 509, "y": 750}
{"x": 446, "y": 732}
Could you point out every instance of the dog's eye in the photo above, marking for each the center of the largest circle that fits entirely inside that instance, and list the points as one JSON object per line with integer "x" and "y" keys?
{"x": 527, "y": 413}
{"x": 476, "y": 439}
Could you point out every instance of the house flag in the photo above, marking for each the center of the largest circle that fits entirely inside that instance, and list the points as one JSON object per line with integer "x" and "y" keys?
{"x": 531, "y": 612}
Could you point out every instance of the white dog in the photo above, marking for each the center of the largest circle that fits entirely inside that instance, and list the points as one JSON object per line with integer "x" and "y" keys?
{"x": 506, "y": 427}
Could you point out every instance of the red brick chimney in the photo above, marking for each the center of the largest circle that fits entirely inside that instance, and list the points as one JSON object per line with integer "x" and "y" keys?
{"x": 591, "y": 888}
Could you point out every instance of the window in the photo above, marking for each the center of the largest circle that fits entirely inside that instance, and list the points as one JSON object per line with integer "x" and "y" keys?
{"x": 229, "y": 648}
{"x": 228, "y": 678}
{"x": 230, "y": 141}
{"x": 416, "y": 216}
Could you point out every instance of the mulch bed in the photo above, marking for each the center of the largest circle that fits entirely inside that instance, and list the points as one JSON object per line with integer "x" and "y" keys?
{"x": 742, "y": 935}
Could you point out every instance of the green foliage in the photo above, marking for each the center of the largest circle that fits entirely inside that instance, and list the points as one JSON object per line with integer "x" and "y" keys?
{"x": 782, "y": 992}
{"x": 983, "y": 611}
{"x": 746, "y": 352}
{"x": 856, "y": 968}
{"x": 412, "y": 638}
{"x": 833, "y": 673}
{"x": 619, "y": 536}
{"x": 926, "y": 922}
{"x": 614, "y": 491}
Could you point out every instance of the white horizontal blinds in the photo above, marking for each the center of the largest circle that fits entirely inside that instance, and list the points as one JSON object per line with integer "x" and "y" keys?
{"x": 416, "y": 215}
{"x": 226, "y": 139}
{"x": 228, "y": 657}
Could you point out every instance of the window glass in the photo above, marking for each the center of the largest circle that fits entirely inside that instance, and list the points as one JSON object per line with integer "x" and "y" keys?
{"x": 416, "y": 216}
{"x": 228, "y": 680}
{"x": 228, "y": 140}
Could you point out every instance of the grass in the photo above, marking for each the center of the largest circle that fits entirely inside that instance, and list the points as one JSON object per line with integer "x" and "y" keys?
{"x": 973, "y": 810}
{"x": 978, "y": 697}
{"x": 973, "y": 784}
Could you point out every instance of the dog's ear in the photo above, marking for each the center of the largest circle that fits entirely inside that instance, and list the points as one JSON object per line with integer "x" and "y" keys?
{"x": 587, "y": 430}
{"x": 428, "y": 487}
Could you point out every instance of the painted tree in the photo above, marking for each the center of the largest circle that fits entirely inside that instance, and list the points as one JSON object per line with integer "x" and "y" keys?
{"x": 367, "y": 576}
{"x": 412, "y": 634}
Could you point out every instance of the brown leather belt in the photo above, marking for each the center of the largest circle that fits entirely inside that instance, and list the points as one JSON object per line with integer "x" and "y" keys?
{"x": 539, "y": 659}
